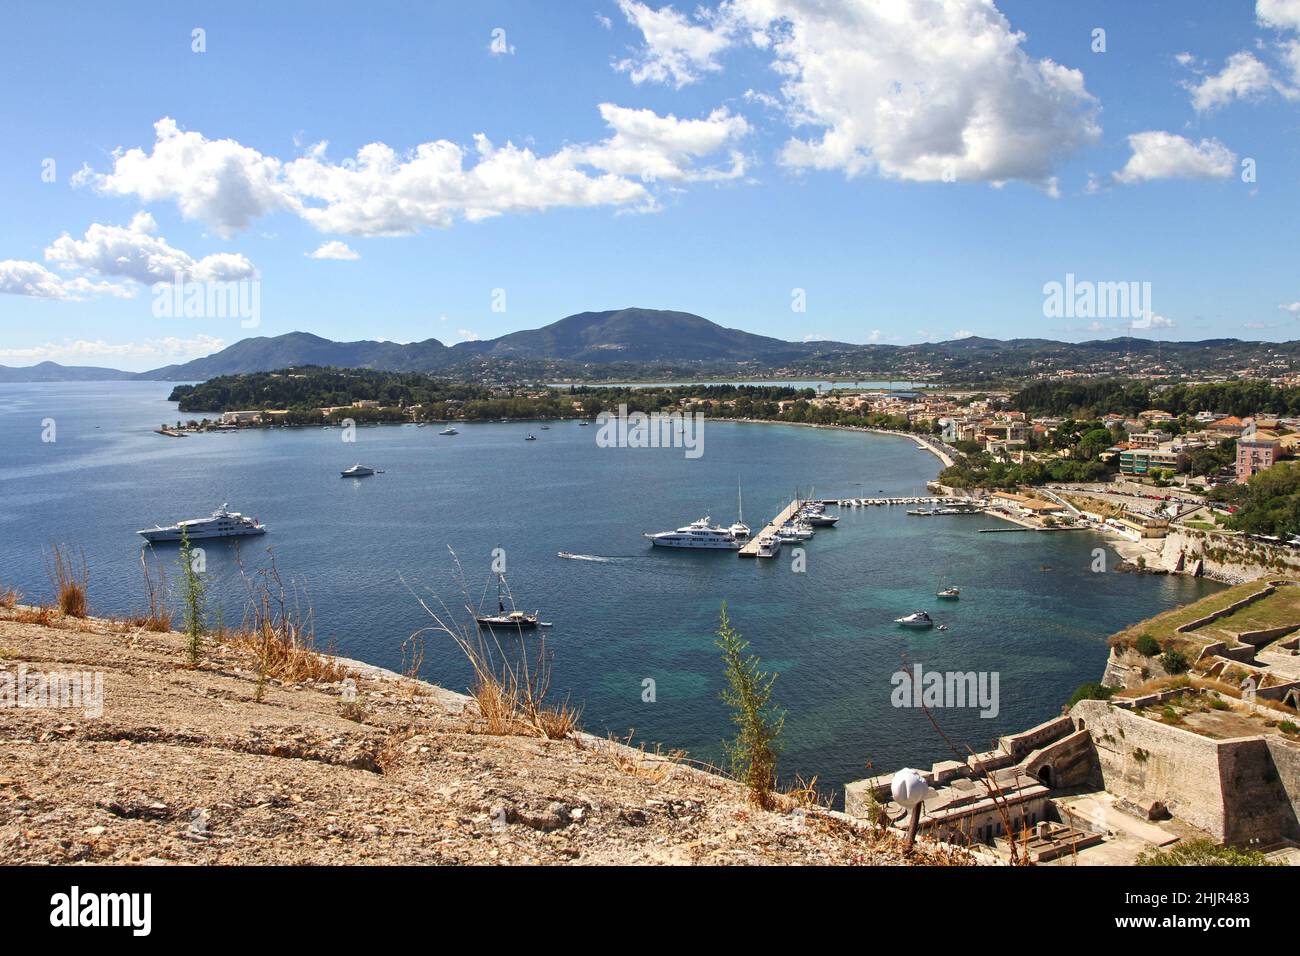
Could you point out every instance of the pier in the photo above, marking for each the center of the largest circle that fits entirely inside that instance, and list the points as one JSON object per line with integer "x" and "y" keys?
{"x": 910, "y": 500}
{"x": 750, "y": 547}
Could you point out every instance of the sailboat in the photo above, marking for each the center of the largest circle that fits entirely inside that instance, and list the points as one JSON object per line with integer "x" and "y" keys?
{"x": 740, "y": 529}
{"x": 504, "y": 618}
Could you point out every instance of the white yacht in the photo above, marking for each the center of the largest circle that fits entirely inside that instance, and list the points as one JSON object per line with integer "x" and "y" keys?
{"x": 358, "y": 471}
{"x": 449, "y": 430}
{"x": 222, "y": 524}
{"x": 769, "y": 546}
{"x": 797, "y": 529}
{"x": 917, "y": 619}
{"x": 698, "y": 534}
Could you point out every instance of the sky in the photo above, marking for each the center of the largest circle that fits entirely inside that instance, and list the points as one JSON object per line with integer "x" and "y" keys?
{"x": 886, "y": 171}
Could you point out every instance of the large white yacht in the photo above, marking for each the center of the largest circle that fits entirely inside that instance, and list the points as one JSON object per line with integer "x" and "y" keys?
{"x": 698, "y": 534}
{"x": 222, "y": 524}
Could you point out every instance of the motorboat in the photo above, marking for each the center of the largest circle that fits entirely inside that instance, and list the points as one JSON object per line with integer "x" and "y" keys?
{"x": 357, "y": 471}
{"x": 449, "y": 430}
{"x": 917, "y": 619}
{"x": 949, "y": 594}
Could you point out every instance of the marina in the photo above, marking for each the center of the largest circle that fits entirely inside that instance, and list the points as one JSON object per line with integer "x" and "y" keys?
{"x": 772, "y": 529}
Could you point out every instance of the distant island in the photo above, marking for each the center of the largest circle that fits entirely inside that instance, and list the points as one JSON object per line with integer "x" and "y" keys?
{"x": 636, "y": 344}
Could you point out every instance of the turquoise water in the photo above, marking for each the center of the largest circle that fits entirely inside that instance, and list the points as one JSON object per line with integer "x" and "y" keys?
{"x": 354, "y": 547}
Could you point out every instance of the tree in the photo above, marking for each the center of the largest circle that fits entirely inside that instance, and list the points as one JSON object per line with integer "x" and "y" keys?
{"x": 753, "y": 752}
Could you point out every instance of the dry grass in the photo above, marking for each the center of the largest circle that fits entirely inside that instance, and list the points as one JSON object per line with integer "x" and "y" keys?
{"x": 159, "y": 616}
{"x": 511, "y": 682}
{"x": 70, "y": 577}
{"x": 42, "y": 614}
{"x": 9, "y": 597}
{"x": 280, "y": 636}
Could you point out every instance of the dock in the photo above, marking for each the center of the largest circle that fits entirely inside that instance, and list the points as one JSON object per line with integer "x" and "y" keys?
{"x": 908, "y": 500}
{"x": 750, "y": 547}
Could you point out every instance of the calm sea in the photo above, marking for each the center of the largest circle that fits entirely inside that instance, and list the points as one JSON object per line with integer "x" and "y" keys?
{"x": 1031, "y": 609}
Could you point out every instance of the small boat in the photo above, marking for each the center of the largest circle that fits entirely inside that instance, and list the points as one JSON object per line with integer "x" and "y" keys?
{"x": 917, "y": 619}
{"x": 942, "y": 627}
{"x": 357, "y": 471}
{"x": 769, "y": 546}
{"x": 583, "y": 424}
{"x": 449, "y": 430}
{"x": 504, "y": 619}
{"x": 546, "y": 428}
{"x": 739, "y": 528}
{"x": 949, "y": 594}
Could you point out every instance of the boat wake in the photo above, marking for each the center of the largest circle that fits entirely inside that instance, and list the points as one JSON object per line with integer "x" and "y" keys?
{"x": 589, "y": 557}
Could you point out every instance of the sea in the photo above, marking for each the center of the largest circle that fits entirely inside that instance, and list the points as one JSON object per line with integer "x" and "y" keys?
{"x": 632, "y": 641}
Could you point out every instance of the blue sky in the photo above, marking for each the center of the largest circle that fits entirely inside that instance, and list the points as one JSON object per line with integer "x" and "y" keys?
{"x": 916, "y": 168}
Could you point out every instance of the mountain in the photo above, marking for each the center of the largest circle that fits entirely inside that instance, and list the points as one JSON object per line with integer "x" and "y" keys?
{"x": 638, "y": 335}
{"x": 54, "y": 372}
{"x": 623, "y": 343}
{"x": 263, "y": 354}
{"x": 620, "y": 335}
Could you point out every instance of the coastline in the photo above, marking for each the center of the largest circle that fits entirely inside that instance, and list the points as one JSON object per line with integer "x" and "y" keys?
{"x": 919, "y": 440}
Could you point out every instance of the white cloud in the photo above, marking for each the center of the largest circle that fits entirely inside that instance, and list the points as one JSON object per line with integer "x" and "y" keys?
{"x": 1293, "y": 308}
{"x": 334, "y": 250}
{"x": 221, "y": 182}
{"x": 135, "y": 252}
{"x": 19, "y": 277}
{"x": 1281, "y": 14}
{"x": 31, "y": 279}
{"x": 1242, "y": 77}
{"x": 170, "y": 349}
{"x": 654, "y": 147}
{"x": 912, "y": 89}
{"x": 676, "y": 50}
{"x": 962, "y": 334}
{"x": 467, "y": 335}
{"x": 874, "y": 336}
{"x": 1161, "y": 155}
{"x": 382, "y": 192}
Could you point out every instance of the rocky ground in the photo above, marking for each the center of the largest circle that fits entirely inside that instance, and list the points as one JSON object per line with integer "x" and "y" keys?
{"x": 185, "y": 765}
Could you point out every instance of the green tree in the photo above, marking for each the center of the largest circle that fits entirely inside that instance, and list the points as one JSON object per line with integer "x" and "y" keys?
{"x": 753, "y": 752}
{"x": 194, "y": 600}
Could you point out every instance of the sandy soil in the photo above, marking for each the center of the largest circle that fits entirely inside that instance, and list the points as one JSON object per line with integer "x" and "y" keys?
{"x": 184, "y": 765}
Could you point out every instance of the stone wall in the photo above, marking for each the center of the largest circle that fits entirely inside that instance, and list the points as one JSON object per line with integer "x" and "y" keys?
{"x": 1229, "y": 558}
{"x": 1240, "y": 790}
{"x": 1141, "y": 761}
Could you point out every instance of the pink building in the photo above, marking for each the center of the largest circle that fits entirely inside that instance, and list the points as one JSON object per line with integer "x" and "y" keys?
{"x": 1255, "y": 453}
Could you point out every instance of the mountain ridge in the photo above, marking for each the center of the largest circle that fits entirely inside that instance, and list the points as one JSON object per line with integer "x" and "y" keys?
{"x": 636, "y": 336}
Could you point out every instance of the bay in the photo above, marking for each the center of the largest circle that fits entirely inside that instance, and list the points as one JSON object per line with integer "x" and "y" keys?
{"x": 355, "y": 550}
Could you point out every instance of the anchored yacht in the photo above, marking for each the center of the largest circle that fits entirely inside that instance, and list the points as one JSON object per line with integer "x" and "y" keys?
{"x": 222, "y": 524}
{"x": 769, "y": 546}
{"x": 357, "y": 471}
{"x": 698, "y": 534}
{"x": 917, "y": 619}
{"x": 449, "y": 430}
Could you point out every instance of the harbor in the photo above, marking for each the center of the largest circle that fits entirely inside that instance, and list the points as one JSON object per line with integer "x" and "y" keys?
{"x": 750, "y": 548}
